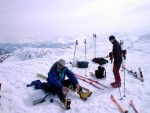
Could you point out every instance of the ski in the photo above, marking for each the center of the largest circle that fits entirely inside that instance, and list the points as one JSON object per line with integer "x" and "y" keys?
{"x": 118, "y": 105}
{"x": 133, "y": 106}
{"x": 141, "y": 75}
{"x": 42, "y": 76}
{"x": 133, "y": 73}
{"x": 91, "y": 80}
{"x": 71, "y": 88}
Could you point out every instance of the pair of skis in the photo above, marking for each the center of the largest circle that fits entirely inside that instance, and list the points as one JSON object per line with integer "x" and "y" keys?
{"x": 71, "y": 88}
{"x": 135, "y": 74}
{"x": 94, "y": 83}
{"x": 48, "y": 94}
{"x": 121, "y": 108}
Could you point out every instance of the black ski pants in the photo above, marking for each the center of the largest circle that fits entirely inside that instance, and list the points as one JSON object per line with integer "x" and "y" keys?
{"x": 59, "y": 91}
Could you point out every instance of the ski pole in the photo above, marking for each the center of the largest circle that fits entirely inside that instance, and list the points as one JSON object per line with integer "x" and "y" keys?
{"x": 94, "y": 39}
{"x": 123, "y": 65}
{"x": 120, "y": 94}
{"x": 124, "y": 80}
{"x": 74, "y": 52}
{"x": 124, "y": 69}
{"x": 85, "y": 55}
{"x": 0, "y": 90}
{"x": 0, "y": 94}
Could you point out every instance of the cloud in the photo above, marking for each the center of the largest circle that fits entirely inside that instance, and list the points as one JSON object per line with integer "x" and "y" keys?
{"x": 21, "y": 20}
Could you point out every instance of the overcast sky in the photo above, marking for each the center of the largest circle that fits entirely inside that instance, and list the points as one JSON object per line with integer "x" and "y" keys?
{"x": 47, "y": 19}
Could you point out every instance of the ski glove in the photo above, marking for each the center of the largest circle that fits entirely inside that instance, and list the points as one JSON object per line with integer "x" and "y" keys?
{"x": 124, "y": 54}
{"x": 111, "y": 56}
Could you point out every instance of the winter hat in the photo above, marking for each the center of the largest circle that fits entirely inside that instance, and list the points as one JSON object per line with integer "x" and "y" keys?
{"x": 62, "y": 62}
{"x": 111, "y": 37}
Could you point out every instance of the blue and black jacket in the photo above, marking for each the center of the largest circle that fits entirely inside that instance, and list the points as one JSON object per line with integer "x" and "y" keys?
{"x": 56, "y": 77}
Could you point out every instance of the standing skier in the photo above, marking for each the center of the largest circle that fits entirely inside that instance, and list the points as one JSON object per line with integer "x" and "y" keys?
{"x": 116, "y": 54}
{"x": 58, "y": 85}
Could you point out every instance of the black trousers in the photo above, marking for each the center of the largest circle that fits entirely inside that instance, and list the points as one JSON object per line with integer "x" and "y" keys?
{"x": 59, "y": 91}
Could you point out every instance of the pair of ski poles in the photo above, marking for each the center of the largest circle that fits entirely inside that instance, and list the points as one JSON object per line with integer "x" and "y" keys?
{"x": 75, "y": 53}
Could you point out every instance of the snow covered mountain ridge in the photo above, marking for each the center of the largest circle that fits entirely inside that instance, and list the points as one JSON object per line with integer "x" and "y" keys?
{"x": 39, "y": 50}
{"x": 21, "y": 68}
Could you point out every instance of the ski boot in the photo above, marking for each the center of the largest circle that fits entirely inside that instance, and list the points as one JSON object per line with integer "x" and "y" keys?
{"x": 84, "y": 95}
{"x": 116, "y": 85}
{"x": 113, "y": 83}
{"x": 66, "y": 103}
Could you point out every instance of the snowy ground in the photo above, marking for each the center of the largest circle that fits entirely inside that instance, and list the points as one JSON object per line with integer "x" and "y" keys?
{"x": 16, "y": 72}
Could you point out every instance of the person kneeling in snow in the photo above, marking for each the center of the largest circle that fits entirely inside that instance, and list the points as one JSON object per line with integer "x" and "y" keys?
{"x": 58, "y": 85}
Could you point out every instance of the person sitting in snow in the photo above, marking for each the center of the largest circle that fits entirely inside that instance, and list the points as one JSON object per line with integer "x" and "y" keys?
{"x": 58, "y": 85}
{"x": 116, "y": 54}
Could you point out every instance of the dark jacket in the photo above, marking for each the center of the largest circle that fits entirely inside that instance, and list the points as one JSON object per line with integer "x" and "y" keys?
{"x": 56, "y": 77}
{"x": 117, "y": 52}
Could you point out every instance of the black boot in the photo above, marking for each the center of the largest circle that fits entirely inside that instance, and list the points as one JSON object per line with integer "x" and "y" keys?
{"x": 66, "y": 103}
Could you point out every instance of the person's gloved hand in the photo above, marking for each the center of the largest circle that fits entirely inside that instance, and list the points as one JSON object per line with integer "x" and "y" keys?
{"x": 124, "y": 54}
{"x": 111, "y": 56}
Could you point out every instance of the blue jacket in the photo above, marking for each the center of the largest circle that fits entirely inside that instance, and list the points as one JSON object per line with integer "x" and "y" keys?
{"x": 56, "y": 77}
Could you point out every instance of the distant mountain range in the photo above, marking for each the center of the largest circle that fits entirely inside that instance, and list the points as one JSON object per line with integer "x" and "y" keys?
{"x": 9, "y": 47}
{"x": 28, "y": 50}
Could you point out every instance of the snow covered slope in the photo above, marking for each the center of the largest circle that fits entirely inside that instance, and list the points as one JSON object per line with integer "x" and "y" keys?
{"x": 20, "y": 69}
